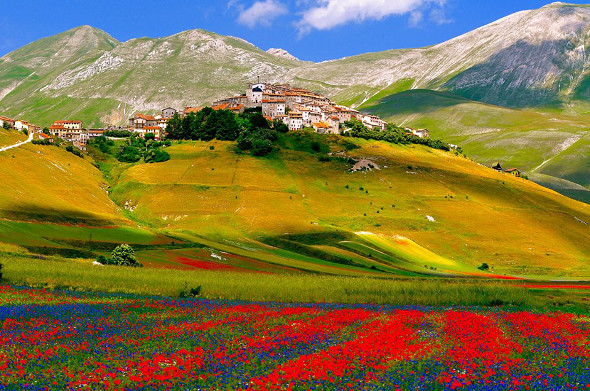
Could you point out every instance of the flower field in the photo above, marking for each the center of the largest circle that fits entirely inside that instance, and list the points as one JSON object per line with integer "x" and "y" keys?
{"x": 67, "y": 340}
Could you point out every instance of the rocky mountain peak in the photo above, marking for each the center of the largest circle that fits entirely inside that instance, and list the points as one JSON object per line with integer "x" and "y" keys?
{"x": 282, "y": 53}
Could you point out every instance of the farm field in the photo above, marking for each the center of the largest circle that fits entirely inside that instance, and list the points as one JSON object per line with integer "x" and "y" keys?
{"x": 431, "y": 211}
{"x": 67, "y": 340}
{"x": 423, "y": 212}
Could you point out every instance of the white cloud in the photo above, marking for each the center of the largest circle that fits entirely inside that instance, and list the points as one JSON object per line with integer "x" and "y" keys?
{"x": 261, "y": 13}
{"x": 327, "y": 14}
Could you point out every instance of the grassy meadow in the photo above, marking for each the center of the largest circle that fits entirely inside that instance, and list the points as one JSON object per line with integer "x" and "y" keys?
{"x": 455, "y": 213}
{"x": 549, "y": 144}
{"x": 297, "y": 225}
{"x": 10, "y": 137}
{"x": 81, "y": 275}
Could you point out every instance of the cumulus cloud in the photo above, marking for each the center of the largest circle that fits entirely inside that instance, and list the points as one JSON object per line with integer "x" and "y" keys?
{"x": 261, "y": 13}
{"x": 327, "y": 14}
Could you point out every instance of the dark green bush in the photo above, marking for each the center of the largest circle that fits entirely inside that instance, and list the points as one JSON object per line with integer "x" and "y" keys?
{"x": 124, "y": 255}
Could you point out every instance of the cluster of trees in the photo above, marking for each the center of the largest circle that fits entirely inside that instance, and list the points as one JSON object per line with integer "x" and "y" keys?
{"x": 6, "y": 126}
{"x": 122, "y": 255}
{"x": 393, "y": 134}
{"x": 135, "y": 148}
{"x": 118, "y": 133}
{"x": 42, "y": 142}
{"x": 250, "y": 129}
{"x": 103, "y": 144}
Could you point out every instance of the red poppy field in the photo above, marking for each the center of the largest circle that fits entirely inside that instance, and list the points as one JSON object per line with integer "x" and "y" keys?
{"x": 67, "y": 340}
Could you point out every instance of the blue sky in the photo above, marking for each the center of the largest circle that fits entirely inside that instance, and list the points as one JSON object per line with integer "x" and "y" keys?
{"x": 313, "y": 30}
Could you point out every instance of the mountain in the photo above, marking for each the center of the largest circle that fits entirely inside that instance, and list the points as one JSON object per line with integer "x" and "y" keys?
{"x": 526, "y": 59}
{"x": 281, "y": 53}
{"x": 532, "y": 64}
{"x": 530, "y": 58}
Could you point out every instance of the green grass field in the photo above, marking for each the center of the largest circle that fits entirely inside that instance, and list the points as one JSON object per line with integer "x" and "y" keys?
{"x": 424, "y": 213}
{"x": 551, "y": 143}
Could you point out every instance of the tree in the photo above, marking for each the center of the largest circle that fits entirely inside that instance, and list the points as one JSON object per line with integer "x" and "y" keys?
{"x": 258, "y": 121}
{"x": 280, "y": 126}
{"x": 6, "y": 125}
{"x": 261, "y": 147}
{"x": 484, "y": 266}
{"x": 228, "y": 128}
{"x": 149, "y": 136}
{"x": 124, "y": 255}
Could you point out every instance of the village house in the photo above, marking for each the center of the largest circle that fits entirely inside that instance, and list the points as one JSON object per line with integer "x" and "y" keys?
{"x": 6, "y": 120}
{"x": 422, "y": 133}
{"x": 168, "y": 112}
{"x": 273, "y": 108}
{"x": 295, "y": 120}
{"x": 46, "y": 137}
{"x": 187, "y": 110}
{"x": 321, "y": 127}
{"x": 22, "y": 125}
{"x": 94, "y": 133}
{"x": 140, "y": 121}
{"x": 513, "y": 171}
{"x": 69, "y": 131}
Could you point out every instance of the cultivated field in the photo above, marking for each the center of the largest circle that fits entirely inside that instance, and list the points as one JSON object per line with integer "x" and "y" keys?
{"x": 65, "y": 340}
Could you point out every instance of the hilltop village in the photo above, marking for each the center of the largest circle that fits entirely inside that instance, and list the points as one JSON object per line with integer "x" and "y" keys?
{"x": 297, "y": 108}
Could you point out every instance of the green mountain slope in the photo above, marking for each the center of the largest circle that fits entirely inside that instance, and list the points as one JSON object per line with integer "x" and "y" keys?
{"x": 550, "y": 147}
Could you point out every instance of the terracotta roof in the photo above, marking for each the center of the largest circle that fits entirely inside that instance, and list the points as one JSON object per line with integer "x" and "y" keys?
{"x": 268, "y": 118}
{"x": 43, "y": 135}
{"x": 321, "y": 125}
{"x": 56, "y": 127}
{"x": 6, "y": 119}
{"x": 146, "y": 117}
{"x": 237, "y": 108}
{"x": 221, "y": 107}
{"x": 273, "y": 101}
{"x": 512, "y": 169}
{"x": 151, "y": 128}
{"x": 192, "y": 109}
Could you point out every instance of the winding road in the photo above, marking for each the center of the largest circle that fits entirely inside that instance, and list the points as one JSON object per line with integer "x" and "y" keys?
{"x": 31, "y": 134}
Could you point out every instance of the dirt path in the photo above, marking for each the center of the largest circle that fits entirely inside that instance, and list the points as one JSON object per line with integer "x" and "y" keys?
{"x": 31, "y": 134}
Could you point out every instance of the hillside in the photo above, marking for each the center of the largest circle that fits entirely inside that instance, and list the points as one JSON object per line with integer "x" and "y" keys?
{"x": 10, "y": 137}
{"x": 423, "y": 212}
{"x": 452, "y": 212}
{"x": 550, "y": 147}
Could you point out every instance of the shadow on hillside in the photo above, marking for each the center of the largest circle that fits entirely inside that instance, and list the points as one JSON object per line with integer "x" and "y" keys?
{"x": 511, "y": 77}
{"x": 34, "y": 213}
{"x": 416, "y": 101}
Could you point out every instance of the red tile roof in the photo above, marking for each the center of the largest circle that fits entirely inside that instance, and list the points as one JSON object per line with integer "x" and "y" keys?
{"x": 223, "y": 106}
{"x": 146, "y": 117}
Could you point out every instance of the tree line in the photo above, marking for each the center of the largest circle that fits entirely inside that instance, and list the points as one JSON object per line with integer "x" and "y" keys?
{"x": 250, "y": 129}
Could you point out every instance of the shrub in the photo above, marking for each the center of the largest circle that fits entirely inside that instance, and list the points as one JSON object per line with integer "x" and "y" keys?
{"x": 156, "y": 156}
{"x": 261, "y": 147}
{"x": 324, "y": 158}
{"x": 192, "y": 292}
{"x": 42, "y": 142}
{"x": 484, "y": 266}
{"x": 75, "y": 151}
{"x": 124, "y": 255}
{"x": 118, "y": 133}
{"x": 128, "y": 154}
{"x": 102, "y": 260}
{"x": 1, "y": 275}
